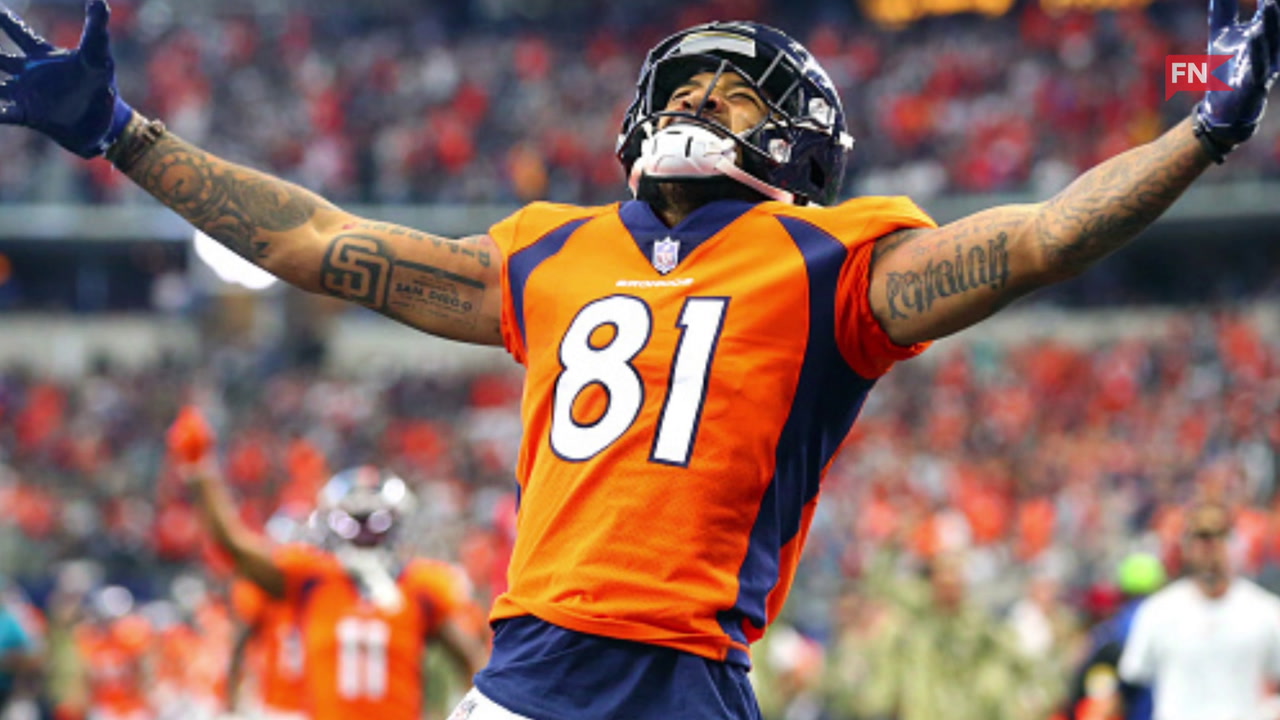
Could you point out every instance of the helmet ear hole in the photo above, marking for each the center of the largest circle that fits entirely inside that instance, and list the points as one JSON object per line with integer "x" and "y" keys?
{"x": 816, "y": 175}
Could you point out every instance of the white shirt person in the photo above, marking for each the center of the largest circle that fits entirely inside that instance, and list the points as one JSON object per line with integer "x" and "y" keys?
{"x": 1209, "y": 643}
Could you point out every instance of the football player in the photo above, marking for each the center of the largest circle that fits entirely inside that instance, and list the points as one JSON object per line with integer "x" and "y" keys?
{"x": 694, "y": 355}
{"x": 271, "y": 632}
{"x": 364, "y": 618}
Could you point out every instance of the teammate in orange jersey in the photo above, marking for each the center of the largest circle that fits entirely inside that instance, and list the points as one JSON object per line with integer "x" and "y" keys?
{"x": 694, "y": 356}
{"x": 272, "y": 634}
{"x": 364, "y": 619}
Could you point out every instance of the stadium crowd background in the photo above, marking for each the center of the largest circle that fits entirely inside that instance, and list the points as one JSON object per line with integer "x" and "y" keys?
{"x": 1044, "y": 463}
{"x": 1039, "y": 463}
{"x": 476, "y": 102}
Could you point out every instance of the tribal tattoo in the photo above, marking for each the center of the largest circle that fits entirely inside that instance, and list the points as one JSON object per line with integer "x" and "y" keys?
{"x": 232, "y": 204}
{"x": 1005, "y": 252}
{"x": 1107, "y": 206}
{"x": 249, "y": 211}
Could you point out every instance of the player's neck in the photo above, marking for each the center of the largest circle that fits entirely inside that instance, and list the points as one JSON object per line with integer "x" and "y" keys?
{"x": 672, "y": 214}
{"x": 673, "y": 201}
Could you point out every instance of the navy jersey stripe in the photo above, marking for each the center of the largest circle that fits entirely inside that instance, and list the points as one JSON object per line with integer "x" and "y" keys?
{"x": 612, "y": 679}
{"x": 700, "y": 225}
{"x": 828, "y": 397}
{"x": 523, "y": 262}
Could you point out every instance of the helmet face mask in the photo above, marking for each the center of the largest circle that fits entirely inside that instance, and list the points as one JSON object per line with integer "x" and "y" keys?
{"x": 361, "y": 529}
{"x": 796, "y": 153}
{"x": 362, "y": 506}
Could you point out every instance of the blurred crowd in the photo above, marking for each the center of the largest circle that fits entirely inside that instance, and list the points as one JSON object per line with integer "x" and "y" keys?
{"x": 975, "y": 518}
{"x": 472, "y": 102}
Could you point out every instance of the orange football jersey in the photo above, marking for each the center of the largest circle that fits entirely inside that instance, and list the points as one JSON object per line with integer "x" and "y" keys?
{"x": 277, "y": 643}
{"x": 364, "y": 660}
{"x": 686, "y": 389}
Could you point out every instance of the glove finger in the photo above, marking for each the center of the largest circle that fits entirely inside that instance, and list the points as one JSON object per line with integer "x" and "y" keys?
{"x": 10, "y": 111}
{"x": 1271, "y": 27}
{"x": 95, "y": 44}
{"x": 1222, "y": 13}
{"x": 1259, "y": 58}
{"x": 25, "y": 37}
{"x": 11, "y": 64}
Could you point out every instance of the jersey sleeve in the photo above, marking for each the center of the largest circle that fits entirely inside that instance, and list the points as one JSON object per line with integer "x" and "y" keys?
{"x": 248, "y": 601}
{"x": 505, "y": 235}
{"x": 443, "y": 590}
{"x": 865, "y": 345}
{"x": 519, "y": 232}
{"x": 300, "y": 565}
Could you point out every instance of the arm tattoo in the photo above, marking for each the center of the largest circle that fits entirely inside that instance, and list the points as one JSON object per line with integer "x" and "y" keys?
{"x": 969, "y": 256}
{"x": 361, "y": 267}
{"x": 232, "y": 204}
{"x": 249, "y": 211}
{"x": 995, "y": 256}
{"x": 1110, "y": 204}
{"x": 973, "y": 268}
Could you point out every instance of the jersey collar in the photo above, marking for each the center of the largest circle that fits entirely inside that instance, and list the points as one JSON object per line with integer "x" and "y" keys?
{"x": 647, "y": 228}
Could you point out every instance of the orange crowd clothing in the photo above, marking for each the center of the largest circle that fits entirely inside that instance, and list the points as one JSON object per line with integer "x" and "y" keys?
{"x": 276, "y": 642}
{"x": 686, "y": 390}
{"x": 364, "y": 660}
{"x": 115, "y": 654}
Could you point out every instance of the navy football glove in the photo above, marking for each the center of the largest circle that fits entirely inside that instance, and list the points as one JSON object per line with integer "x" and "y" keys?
{"x": 69, "y": 95}
{"x": 1226, "y": 118}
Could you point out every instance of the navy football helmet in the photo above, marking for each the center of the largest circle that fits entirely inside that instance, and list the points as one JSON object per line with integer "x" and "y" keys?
{"x": 796, "y": 154}
{"x": 362, "y": 506}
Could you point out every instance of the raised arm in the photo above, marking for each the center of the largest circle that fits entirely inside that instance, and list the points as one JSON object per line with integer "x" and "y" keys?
{"x": 445, "y": 287}
{"x": 191, "y": 448}
{"x": 250, "y": 553}
{"x": 929, "y": 283}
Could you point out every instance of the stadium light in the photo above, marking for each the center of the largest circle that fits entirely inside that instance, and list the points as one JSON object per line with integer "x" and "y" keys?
{"x": 230, "y": 267}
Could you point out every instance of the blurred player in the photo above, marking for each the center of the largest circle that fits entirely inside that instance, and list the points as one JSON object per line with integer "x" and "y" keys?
{"x": 271, "y": 632}
{"x": 365, "y": 619}
{"x": 694, "y": 356}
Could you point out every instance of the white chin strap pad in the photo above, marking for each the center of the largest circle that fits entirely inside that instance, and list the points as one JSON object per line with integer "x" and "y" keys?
{"x": 687, "y": 151}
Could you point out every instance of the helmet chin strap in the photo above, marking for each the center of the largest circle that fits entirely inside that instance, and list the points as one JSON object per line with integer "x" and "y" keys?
{"x": 686, "y": 151}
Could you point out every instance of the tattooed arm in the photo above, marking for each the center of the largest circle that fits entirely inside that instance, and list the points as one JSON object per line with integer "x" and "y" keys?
{"x": 926, "y": 284}
{"x": 445, "y": 287}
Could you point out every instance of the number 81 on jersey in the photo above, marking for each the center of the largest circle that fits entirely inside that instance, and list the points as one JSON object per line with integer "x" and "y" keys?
{"x": 610, "y": 366}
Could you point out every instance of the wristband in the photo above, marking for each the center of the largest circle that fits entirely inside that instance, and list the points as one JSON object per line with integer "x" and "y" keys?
{"x": 1216, "y": 149}
{"x": 125, "y": 152}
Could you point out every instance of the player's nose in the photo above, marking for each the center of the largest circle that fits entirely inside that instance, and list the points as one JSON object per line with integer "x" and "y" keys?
{"x": 708, "y": 100}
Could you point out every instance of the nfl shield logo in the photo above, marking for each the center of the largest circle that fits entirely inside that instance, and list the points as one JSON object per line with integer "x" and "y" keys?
{"x": 666, "y": 253}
